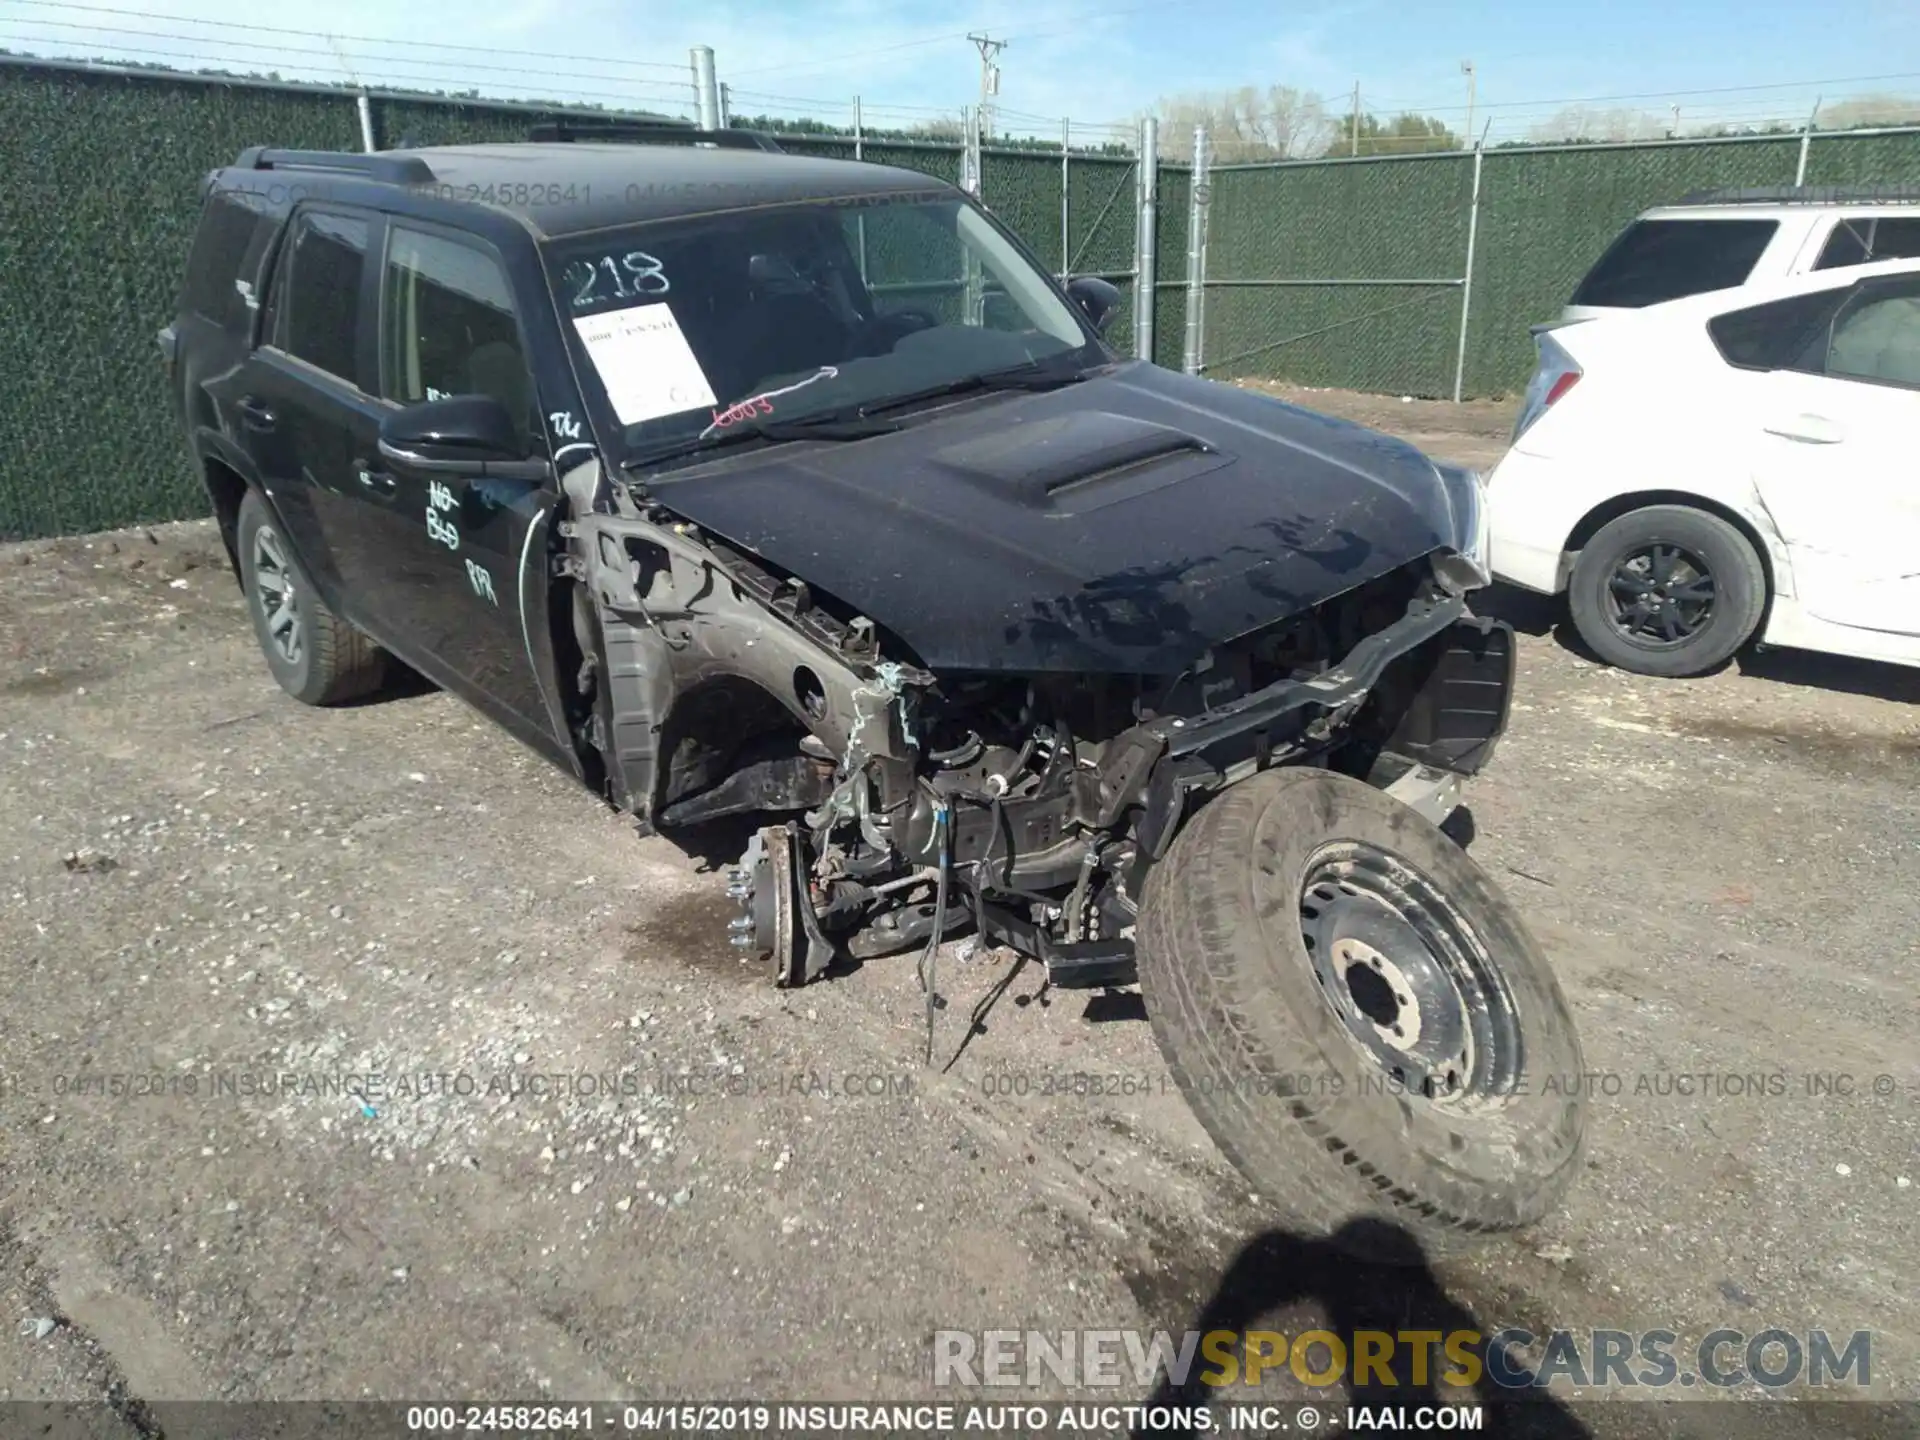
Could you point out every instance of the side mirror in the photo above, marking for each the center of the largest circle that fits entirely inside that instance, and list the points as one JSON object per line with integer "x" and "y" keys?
{"x": 1098, "y": 298}
{"x": 461, "y": 434}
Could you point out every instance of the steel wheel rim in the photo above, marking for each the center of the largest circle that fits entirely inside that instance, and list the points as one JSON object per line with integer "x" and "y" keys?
{"x": 1660, "y": 595}
{"x": 1408, "y": 976}
{"x": 277, "y": 594}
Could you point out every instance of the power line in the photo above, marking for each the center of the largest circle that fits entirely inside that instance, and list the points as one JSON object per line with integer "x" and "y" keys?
{"x": 357, "y": 39}
{"x": 276, "y": 49}
{"x": 834, "y": 104}
{"x": 1061, "y": 26}
{"x": 221, "y": 65}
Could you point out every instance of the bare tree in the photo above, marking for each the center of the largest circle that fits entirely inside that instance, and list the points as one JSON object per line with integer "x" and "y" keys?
{"x": 1581, "y": 122}
{"x": 1870, "y": 110}
{"x": 1250, "y": 123}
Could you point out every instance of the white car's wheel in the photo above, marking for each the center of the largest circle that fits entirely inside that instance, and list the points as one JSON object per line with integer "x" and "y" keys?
{"x": 1667, "y": 590}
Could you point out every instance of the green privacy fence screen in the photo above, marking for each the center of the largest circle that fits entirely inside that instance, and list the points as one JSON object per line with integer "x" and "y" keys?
{"x": 99, "y": 205}
{"x": 1288, "y": 247}
{"x": 98, "y": 210}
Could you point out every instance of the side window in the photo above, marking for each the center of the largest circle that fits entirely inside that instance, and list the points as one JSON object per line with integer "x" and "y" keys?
{"x": 1850, "y": 243}
{"x": 1876, "y": 335}
{"x": 1861, "y": 240}
{"x": 1773, "y": 336}
{"x": 317, "y": 301}
{"x": 1896, "y": 239}
{"x": 447, "y": 327}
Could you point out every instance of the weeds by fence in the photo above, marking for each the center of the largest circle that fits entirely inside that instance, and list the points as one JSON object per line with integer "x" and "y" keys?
{"x": 1341, "y": 272}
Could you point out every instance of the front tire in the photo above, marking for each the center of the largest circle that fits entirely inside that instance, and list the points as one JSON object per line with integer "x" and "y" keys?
{"x": 317, "y": 657}
{"x": 1667, "y": 590}
{"x": 1299, "y": 919}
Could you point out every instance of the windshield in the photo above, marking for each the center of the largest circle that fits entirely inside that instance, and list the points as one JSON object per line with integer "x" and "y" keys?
{"x": 692, "y": 328}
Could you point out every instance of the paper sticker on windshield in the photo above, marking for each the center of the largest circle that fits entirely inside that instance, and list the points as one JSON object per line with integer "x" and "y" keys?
{"x": 645, "y": 362}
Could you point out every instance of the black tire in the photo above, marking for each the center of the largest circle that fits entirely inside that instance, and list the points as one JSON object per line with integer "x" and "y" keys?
{"x": 330, "y": 662}
{"x": 1665, "y": 629}
{"x": 1307, "y": 1112}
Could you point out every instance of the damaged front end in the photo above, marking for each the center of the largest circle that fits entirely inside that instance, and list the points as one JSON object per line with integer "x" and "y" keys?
{"x": 1028, "y": 808}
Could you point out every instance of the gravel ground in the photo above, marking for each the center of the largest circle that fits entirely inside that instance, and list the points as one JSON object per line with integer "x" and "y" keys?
{"x": 765, "y": 1193}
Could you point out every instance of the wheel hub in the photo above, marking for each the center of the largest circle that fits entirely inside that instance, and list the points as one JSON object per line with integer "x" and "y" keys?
{"x": 1407, "y": 978}
{"x": 1660, "y": 594}
{"x": 277, "y": 594}
{"x": 752, "y": 886}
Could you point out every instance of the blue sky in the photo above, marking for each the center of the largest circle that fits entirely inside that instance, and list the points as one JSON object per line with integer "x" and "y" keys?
{"x": 1096, "y": 62}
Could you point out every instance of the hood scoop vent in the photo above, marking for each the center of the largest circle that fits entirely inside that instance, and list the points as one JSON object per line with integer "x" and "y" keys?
{"x": 1080, "y": 461}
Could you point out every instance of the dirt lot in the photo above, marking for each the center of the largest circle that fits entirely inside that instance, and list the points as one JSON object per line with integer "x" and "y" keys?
{"x": 210, "y": 887}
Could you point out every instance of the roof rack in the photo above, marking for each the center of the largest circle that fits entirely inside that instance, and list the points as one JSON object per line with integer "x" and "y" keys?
{"x": 1808, "y": 195}
{"x": 389, "y": 169}
{"x": 650, "y": 132}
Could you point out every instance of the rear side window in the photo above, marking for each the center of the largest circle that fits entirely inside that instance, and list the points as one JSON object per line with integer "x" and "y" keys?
{"x": 1658, "y": 260}
{"x": 1774, "y": 336}
{"x": 1861, "y": 240}
{"x": 317, "y": 304}
{"x": 234, "y": 230}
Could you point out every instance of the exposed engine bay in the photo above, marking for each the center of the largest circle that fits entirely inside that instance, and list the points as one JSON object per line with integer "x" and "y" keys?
{"x": 1027, "y": 807}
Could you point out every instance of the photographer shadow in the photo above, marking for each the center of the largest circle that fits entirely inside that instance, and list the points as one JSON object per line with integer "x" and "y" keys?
{"x": 1276, "y": 1270}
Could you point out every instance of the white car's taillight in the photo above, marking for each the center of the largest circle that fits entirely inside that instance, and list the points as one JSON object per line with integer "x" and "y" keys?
{"x": 1554, "y": 375}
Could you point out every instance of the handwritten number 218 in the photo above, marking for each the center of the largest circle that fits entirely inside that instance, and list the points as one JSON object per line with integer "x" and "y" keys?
{"x": 636, "y": 273}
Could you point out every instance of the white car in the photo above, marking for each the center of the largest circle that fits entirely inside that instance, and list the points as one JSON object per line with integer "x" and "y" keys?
{"x": 1730, "y": 467}
{"x": 1724, "y": 239}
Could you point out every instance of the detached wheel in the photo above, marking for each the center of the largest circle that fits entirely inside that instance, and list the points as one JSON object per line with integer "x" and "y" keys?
{"x": 1667, "y": 590}
{"x": 317, "y": 657}
{"x": 1360, "y": 1018}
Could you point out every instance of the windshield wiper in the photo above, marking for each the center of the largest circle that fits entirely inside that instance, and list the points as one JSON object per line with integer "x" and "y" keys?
{"x": 828, "y": 425}
{"x": 1028, "y": 375}
{"x": 857, "y": 422}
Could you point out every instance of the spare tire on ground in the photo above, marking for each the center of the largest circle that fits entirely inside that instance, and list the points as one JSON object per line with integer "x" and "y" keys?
{"x": 1359, "y": 1018}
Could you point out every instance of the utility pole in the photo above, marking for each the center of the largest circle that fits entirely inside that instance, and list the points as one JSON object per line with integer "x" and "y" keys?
{"x": 989, "y": 77}
{"x": 1356, "y": 117}
{"x": 1466, "y": 69}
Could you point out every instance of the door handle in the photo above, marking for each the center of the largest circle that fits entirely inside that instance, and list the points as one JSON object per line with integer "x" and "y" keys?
{"x": 256, "y": 414}
{"x": 377, "y": 481}
{"x": 1810, "y": 429}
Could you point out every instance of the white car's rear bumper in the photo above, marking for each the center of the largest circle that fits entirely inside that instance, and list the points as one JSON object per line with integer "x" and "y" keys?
{"x": 1534, "y": 506}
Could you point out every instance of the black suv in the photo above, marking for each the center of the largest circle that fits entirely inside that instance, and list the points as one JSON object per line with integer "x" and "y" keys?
{"x": 750, "y": 484}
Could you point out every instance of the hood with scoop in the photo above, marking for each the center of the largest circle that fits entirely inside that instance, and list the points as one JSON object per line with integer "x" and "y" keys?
{"x": 1123, "y": 524}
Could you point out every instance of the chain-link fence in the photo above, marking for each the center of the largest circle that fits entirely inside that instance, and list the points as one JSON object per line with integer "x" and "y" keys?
{"x": 1355, "y": 273}
{"x": 101, "y": 203}
{"x": 1351, "y": 272}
